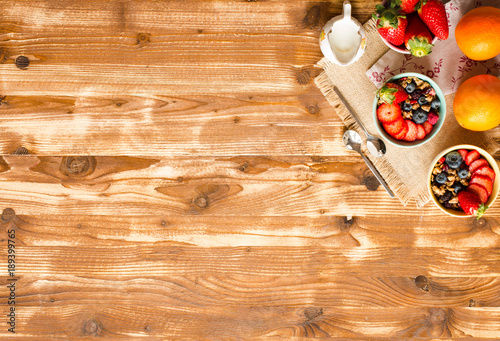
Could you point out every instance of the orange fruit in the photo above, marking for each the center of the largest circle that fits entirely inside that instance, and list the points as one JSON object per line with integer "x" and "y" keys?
{"x": 477, "y": 33}
{"x": 477, "y": 103}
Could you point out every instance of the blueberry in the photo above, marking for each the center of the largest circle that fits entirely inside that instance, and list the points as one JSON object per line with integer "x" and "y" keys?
{"x": 435, "y": 104}
{"x": 416, "y": 94}
{"x": 441, "y": 178}
{"x": 419, "y": 116}
{"x": 457, "y": 188}
{"x": 463, "y": 173}
{"x": 410, "y": 87}
{"x": 446, "y": 197}
{"x": 422, "y": 100}
{"x": 454, "y": 160}
{"x": 407, "y": 106}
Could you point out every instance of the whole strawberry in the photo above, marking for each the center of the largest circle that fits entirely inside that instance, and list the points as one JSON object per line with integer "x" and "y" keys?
{"x": 408, "y": 6}
{"x": 392, "y": 93}
{"x": 471, "y": 204}
{"x": 418, "y": 38}
{"x": 433, "y": 14}
{"x": 391, "y": 23}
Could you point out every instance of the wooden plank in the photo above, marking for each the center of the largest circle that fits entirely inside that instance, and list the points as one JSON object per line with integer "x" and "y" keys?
{"x": 136, "y": 319}
{"x": 162, "y": 259}
{"x": 230, "y": 231}
{"x": 218, "y": 291}
{"x": 164, "y": 125}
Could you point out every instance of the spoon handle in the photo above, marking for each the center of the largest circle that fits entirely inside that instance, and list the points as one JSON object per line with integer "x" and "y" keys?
{"x": 344, "y": 101}
{"x": 377, "y": 174}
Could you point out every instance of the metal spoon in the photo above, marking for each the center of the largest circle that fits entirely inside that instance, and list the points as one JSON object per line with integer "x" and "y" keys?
{"x": 374, "y": 144}
{"x": 352, "y": 141}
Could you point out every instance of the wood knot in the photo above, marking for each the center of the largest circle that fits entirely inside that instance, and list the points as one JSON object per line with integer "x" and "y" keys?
{"x": 370, "y": 181}
{"x": 422, "y": 283}
{"x": 437, "y": 316}
{"x": 303, "y": 77}
{"x": 244, "y": 167}
{"x": 200, "y": 31}
{"x": 147, "y": 328}
{"x": 236, "y": 120}
{"x": 312, "y": 17}
{"x": 345, "y": 223}
{"x": 472, "y": 303}
{"x": 8, "y": 214}
{"x": 22, "y": 62}
{"x": 78, "y": 166}
{"x": 91, "y": 327}
{"x": 313, "y": 110}
{"x": 201, "y": 202}
{"x": 143, "y": 38}
{"x": 163, "y": 223}
{"x": 4, "y": 55}
{"x": 21, "y": 151}
{"x": 480, "y": 223}
{"x": 312, "y": 312}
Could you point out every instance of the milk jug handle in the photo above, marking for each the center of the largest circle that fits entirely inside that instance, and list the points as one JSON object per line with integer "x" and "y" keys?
{"x": 347, "y": 10}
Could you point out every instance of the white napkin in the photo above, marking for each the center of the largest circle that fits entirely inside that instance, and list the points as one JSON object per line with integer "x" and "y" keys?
{"x": 446, "y": 64}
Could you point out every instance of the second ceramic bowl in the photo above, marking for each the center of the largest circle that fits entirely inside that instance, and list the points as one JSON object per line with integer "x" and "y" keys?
{"x": 437, "y": 126}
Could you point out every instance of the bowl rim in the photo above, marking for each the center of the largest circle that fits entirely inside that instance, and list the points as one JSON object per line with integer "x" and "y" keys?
{"x": 437, "y": 126}
{"x": 486, "y": 155}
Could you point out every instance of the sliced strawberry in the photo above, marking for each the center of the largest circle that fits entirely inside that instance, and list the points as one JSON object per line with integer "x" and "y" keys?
{"x": 484, "y": 181}
{"x": 480, "y": 191}
{"x": 471, "y": 204}
{"x": 395, "y": 127}
{"x": 471, "y": 156}
{"x": 428, "y": 127}
{"x": 477, "y": 164}
{"x": 485, "y": 170}
{"x": 388, "y": 113}
{"x": 420, "y": 132}
{"x": 411, "y": 135}
{"x": 403, "y": 132}
{"x": 463, "y": 153}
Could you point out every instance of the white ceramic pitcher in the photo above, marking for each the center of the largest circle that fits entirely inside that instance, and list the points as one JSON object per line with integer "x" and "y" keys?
{"x": 343, "y": 39}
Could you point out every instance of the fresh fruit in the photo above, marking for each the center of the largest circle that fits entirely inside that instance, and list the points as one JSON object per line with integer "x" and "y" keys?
{"x": 410, "y": 87}
{"x": 484, "y": 181}
{"x": 407, "y": 106}
{"x": 480, "y": 191}
{"x": 441, "y": 178}
{"x": 392, "y": 93}
{"x": 477, "y": 33}
{"x": 471, "y": 156}
{"x": 463, "y": 173}
{"x": 403, "y": 132}
{"x": 435, "y": 104}
{"x": 408, "y": 6}
{"x": 476, "y": 103}
{"x": 477, "y": 164}
{"x": 418, "y": 39}
{"x": 485, "y": 170}
{"x": 388, "y": 113}
{"x": 457, "y": 188}
{"x": 428, "y": 127}
{"x": 471, "y": 204}
{"x": 411, "y": 135}
{"x": 391, "y": 23}
{"x": 454, "y": 160}
{"x": 420, "y": 132}
{"x": 433, "y": 118}
{"x": 463, "y": 153}
{"x": 419, "y": 116}
{"x": 433, "y": 14}
{"x": 394, "y": 128}
{"x": 422, "y": 101}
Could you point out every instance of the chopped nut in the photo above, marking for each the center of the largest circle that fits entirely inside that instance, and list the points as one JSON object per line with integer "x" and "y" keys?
{"x": 415, "y": 106}
{"x": 429, "y": 98}
{"x": 426, "y": 107}
{"x": 438, "y": 190}
{"x": 418, "y": 81}
{"x": 453, "y": 200}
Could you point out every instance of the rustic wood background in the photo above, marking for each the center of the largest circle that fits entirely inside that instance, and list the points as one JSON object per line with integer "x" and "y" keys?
{"x": 172, "y": 172}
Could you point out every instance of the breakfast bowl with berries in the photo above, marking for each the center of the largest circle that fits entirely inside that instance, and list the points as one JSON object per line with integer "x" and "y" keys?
{"x": 411, "y": 26}
{"x": 409, "y": 109}
{"x": 463, "y": 181}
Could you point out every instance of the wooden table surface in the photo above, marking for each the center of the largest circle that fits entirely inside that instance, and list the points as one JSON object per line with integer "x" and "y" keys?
{"x": 170, "y": 171}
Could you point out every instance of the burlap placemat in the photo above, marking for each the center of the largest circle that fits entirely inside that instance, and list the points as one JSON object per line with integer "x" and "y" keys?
{"x": 404, "y": 169}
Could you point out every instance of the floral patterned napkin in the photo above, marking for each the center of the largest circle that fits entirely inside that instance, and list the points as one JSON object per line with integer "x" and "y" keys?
{"x": 446, "y": 65}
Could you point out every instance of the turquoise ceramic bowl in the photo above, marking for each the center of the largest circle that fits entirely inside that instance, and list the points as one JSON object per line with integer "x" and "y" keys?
{"x": 437, "y": 126}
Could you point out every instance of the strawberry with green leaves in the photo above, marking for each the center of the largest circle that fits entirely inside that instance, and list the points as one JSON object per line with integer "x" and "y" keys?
{"x": 433, "y": 14}
{"x": 418, "y": 39}
{"x": 471, "y": 204}
{"x": 391, "y": 23}
{"x": 392, "y": 93}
